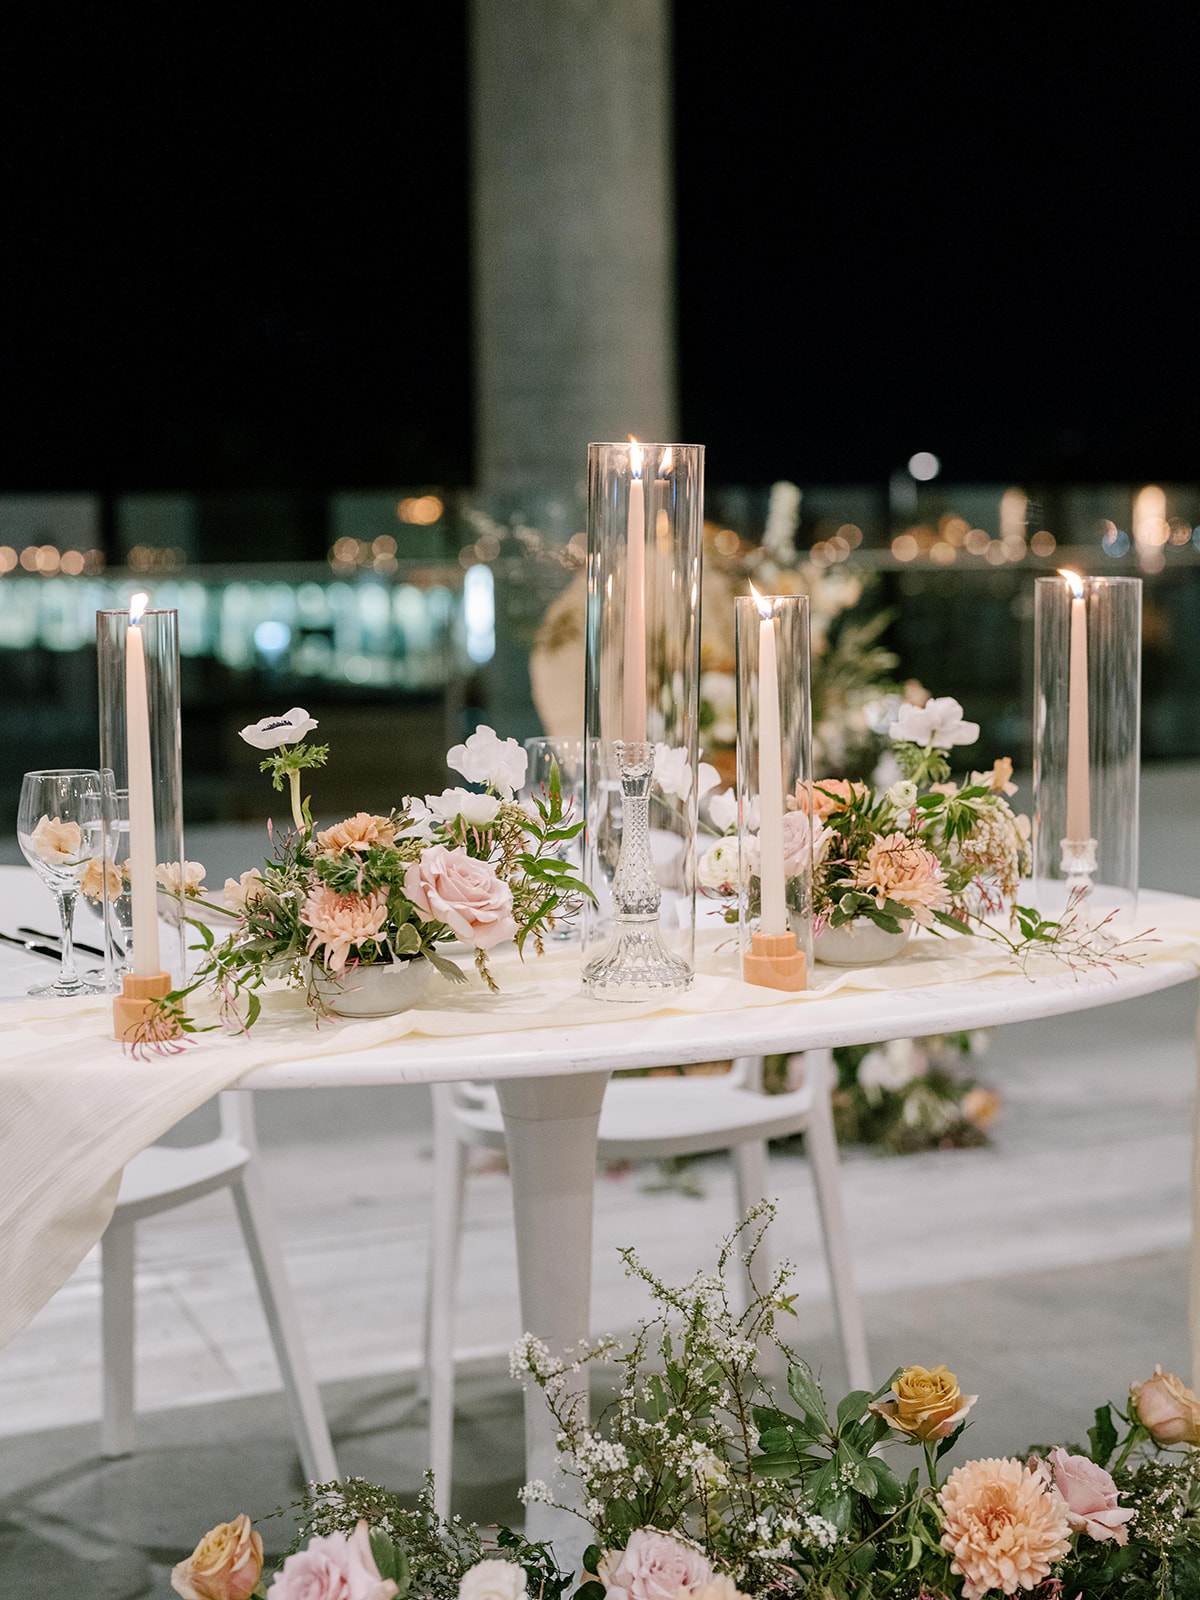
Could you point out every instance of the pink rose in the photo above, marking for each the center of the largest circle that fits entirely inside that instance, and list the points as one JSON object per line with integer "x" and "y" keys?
{"x": 1167, "y": 1408}
{"x": 333, "y": 1568}
{"x": 653, "y": 1566}
{"x": 1091, "y": 1497}
{"x": 452, "y": 887}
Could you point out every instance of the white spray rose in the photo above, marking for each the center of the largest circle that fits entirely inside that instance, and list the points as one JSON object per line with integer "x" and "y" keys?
{"x": 903, "y": 794}
{"x": 476, "y": 810}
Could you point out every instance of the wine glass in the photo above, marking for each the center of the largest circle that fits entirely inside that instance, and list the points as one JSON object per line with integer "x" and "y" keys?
{"x": 60, "y": 829}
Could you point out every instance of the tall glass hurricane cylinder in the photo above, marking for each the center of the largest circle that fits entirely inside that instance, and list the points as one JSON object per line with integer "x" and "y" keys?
{"x": 774, "y": 774}
{"x": 1086, "y": 766}
{"x": 641, "y": 717}
{"x": 163, "y": 907}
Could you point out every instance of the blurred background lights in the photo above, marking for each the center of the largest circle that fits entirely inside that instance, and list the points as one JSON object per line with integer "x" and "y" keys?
{"x": 479, "y": 613}
{"x": 420, "y": 510}
{"x": 272, "y": 638}
{"x": 1114, "y": 543}
{"x": 924, "y": 466}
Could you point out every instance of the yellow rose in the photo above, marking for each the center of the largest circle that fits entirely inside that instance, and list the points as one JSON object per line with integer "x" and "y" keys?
{"x": 925, "y": 1403}
{"x": 1167, "y": 1408}
{"x": 225, "y": 1565}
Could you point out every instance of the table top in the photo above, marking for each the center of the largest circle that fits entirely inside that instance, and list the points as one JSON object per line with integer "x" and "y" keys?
{"x": 679, "y": 1038}
{"x": 852, "y": 1017}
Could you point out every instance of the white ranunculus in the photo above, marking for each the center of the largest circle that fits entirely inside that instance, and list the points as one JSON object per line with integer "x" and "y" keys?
{"x": 477, "y": 810}
{"x": 487, "y": 758}
{"x": 673, "y": 770}
{"x": 718, "y": 867}
{"x": 938, "y": 723}
{"x": 903, "y": 794}
{"x": 492, "y": 1580}
{"x": 273, "y": 731}
{"x": 722, "y": 810}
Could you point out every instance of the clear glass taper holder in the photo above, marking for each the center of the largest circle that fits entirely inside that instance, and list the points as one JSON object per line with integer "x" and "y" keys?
{"x": 1086, "y": 745}
{"x": 774, "y": 776}
{"x": 140, "y": 748}
{"x": 641, "y": 718}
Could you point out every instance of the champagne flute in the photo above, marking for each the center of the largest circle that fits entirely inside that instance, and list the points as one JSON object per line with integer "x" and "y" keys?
{"x": 60, "y": 829}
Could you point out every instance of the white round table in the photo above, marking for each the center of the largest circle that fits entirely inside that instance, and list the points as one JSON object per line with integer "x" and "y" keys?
{"x": 551, "y": 1083}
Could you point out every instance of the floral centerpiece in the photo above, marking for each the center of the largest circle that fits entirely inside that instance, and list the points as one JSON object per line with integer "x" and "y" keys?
{"x": 468, "y": 866}
{"x": 699, "y": 1483}
{"x": 923, "y": 852}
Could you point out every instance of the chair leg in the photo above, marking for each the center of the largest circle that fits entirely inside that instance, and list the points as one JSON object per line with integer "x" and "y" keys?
{"x": 449, "y": 1183}
{"x": 750, "y": 1186}
{"x": 116, "y": 1338}
{"x": 823, "y": 1154}
{"x": 266, "y": 1258}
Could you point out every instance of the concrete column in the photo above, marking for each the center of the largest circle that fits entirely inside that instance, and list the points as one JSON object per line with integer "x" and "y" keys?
{"x": 573, "y": 233}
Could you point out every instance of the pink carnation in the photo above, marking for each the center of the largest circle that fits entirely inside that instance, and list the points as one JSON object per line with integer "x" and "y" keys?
{"x": 1090, "y": 1496}
{"x": 653, "y": 1566}
{"x": 899, "y": 869}
{"x": 340, "y": 921}
{"x": 466, "y": 894}
{"x": 333, "y": 1568}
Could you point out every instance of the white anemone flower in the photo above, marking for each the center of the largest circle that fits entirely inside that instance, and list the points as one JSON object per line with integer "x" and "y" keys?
{"x": 273, "y": 731}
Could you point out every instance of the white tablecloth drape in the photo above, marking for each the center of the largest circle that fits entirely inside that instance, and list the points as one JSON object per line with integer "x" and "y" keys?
{"x": 75, "y": 1106}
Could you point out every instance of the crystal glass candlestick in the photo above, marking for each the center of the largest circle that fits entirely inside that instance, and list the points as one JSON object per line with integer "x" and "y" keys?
{"x": 1086, "y": 763}
{"x": 774, "y": 774}
{"x": 641, "y": 717}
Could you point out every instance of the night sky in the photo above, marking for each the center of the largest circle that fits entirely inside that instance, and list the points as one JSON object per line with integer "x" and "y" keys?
{"x": 237, "y": 258}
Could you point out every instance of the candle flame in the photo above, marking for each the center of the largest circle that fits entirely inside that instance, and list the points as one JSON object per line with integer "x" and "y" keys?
{"x": 137, "y": 605}
{"x": 765, "y": 608}
{"x": 1074, "y": 580}
{"x": 635, "y": 456}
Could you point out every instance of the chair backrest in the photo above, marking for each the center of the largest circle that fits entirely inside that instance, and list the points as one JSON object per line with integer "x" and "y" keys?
{"x": 236, "y": 1110}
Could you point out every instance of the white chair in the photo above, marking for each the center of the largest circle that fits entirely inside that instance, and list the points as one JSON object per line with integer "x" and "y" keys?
{"x": 644, "y": 1119}
{"x": 159, "y": 1179}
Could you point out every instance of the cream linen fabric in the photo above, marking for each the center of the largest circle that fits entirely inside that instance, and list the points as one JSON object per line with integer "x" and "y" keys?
{"x": 75, "y": 1106}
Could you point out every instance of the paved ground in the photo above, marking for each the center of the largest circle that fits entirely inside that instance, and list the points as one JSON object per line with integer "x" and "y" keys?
{"x": 1048, "y": 1272}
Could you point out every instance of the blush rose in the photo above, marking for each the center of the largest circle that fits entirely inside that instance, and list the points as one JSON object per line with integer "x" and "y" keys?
{"x": 452, "y": 887}
{"x": 653, "y": 1566}
{"x": 225, "y": 1565}
{"x": 333, "y": 1567}
{"x": 1090, "y": 1496}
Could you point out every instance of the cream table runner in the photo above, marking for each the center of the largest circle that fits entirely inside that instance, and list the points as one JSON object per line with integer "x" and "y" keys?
{"x": 75, "y": 1106}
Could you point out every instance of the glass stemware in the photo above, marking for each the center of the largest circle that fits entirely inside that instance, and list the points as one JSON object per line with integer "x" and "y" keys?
{"x": 60, "y": 828}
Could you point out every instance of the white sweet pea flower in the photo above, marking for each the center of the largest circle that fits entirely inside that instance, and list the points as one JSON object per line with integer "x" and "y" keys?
{"x": 673, "y": 770}
{"x": 902, "y": 794}
{"x": 486, "y": 758}
{"x": 273, "y": 731}
{"x": 190, "y": 882}
{"x": 707, "y": 778}
{"x": 722, "y": 810}
{"x": 938, "y": 723}
{"x": 241, "y": 892}
{"x": 476, "y": 810}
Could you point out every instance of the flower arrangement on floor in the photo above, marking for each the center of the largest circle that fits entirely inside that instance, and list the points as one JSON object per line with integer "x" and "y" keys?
{"x": 464, "y": 865}
{"x": 699, "y": 1484}
{"x": 910, "y": 1095}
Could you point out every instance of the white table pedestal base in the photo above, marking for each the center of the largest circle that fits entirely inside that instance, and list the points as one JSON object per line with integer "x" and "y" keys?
{"x": 551, "y": 1126}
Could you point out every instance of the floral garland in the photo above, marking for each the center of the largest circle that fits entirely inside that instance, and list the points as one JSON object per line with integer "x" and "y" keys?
{"x": 464, "y": 865}
{"x": 700, "y": 1485}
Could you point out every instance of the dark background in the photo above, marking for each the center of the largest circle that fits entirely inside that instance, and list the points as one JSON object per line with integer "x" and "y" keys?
{"x": 236, "y": 257}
